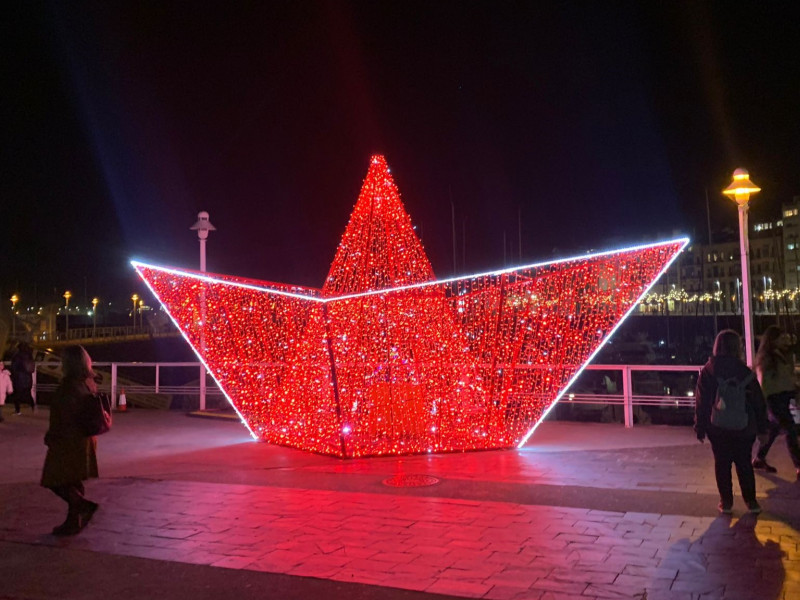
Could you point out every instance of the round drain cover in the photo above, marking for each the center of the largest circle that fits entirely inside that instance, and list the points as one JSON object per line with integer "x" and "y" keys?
{"x": 410, "y": 481}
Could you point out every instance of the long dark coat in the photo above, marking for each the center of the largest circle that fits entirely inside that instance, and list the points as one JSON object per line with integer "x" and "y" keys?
{"x": 71, "y": 455}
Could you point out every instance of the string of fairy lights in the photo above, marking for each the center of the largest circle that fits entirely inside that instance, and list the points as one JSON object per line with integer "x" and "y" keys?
{"x": 785, "y": 299}
{"x": 384, "y": 359}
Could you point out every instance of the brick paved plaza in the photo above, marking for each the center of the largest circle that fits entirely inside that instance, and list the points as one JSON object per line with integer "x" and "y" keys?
{"x": 192, "y": 508}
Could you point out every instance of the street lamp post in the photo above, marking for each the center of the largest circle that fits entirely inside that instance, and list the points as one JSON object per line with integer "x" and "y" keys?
{"x": 134, "y": 299}
{"x": 739, "y": 190}
{"x": 14, "y": 300}
{"x": 67, "y": 296}
{"x": 202, "y": 227}
{"x": 95, "y": 301}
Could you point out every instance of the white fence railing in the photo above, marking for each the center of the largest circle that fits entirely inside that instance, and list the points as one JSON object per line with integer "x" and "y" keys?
{"x": 152, "y": 382}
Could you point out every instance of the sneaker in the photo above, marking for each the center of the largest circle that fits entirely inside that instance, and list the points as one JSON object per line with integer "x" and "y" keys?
{"x": 725, "y": 509}
{"x": 763, "y": 465}
{"x": 18, "y": 413}
{"x": 754, "y": 507}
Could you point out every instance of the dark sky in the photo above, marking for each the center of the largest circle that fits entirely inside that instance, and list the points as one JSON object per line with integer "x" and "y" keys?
{"x": 599, "y": 122}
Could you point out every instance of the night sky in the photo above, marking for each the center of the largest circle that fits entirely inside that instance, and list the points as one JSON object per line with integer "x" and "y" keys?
{"x": 599, "y": 123}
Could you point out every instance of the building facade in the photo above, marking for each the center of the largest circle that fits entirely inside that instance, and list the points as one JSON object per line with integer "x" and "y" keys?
{"x": 706, "y": 278}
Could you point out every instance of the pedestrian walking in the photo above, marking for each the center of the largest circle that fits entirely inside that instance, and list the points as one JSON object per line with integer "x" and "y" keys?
{"x": 71, "y": 455}
{"x": 22, "y": 368}
{"x": 730, "y": 410}
{"x": 775, "y": 369}
{"x": 6, "y": 388}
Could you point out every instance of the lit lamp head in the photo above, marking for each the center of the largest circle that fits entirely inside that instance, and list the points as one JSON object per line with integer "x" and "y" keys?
{"x": 741, "y": 187}
{"x": 67, "y": 296}
{"x": 95, "y": 302}
{"x": 203, "y": 225}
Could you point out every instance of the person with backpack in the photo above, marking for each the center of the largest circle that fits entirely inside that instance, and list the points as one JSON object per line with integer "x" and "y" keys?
{"x": 730, "y": 411}
{"x": 775, "y": 368}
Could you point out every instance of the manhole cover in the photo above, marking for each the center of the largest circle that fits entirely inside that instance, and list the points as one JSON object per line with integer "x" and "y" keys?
{"x": 410, "y": 481}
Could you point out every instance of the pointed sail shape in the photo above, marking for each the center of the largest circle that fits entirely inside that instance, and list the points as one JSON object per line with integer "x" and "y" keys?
{"x": 379, "y": 248}
{"x": 366, "y": 367}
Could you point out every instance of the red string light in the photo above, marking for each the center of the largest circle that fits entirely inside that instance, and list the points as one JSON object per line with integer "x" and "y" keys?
{"x": 384, "y": 359}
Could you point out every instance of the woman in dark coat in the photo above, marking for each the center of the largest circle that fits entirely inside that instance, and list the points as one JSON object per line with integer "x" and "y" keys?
{"x": 22, "y": 368}
{"x": 71, "y": 455}
{"x": 730, "y": 446}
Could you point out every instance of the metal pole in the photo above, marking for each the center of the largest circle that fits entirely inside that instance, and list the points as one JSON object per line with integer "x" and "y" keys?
{"x": 627, "y": 395}
{"x": 203, "y": 330}
{"x": 453, "y": 218}
{"x": 747, "y": 313}
{"x": 202, "y": 386}
{"x": 708, "y": 220}
{"x": 202, "y": 255}
{"x": 114, "y": 385}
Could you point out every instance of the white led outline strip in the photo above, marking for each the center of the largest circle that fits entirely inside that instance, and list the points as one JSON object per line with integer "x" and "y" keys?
{"x": 602, "y": 343}
{"x": 684, "y": 241}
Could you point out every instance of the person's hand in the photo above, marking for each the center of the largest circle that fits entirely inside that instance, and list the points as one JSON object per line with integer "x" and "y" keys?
{"x": 701, "y": 437}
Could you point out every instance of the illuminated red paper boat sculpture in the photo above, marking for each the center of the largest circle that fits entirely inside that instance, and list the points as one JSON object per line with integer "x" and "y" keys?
{"x": 385, "y": 359}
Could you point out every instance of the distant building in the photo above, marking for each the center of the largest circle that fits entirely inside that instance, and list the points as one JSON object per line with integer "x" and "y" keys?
{"x": 791, "y": 240}
{"x": 706, "y": 278}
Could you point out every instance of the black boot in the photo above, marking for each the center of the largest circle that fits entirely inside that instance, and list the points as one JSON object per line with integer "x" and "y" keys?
{"x": 69, "y": 527}
{"x": 87, "y": 512}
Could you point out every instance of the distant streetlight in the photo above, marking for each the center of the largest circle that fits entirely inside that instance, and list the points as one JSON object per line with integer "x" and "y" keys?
{"x": 67, "y": 296}
{"x": 134, "y": 299}
{"x": 14, "y": 300}
{"x": 202, "y": 227}
{"x": 95, "y": 302}
{"x": 141, "y": 314}
{"x": 739, "y": 190}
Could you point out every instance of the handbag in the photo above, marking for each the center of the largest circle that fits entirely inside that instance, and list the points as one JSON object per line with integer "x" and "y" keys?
{"x": 95, "y": 417}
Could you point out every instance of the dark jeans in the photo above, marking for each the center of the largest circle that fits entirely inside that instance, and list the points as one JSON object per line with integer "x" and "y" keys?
{"x": 731, "y": 449}
{"x": 780, "y": 418}
{"x": 20, "y": 396}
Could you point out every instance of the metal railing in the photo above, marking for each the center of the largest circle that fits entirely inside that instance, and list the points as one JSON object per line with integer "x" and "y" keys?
{"x": 154, "y": 384}
{"x": 136, "y": 386}
{"x": 88, "y": 334}
{"x": 628, "y": 399}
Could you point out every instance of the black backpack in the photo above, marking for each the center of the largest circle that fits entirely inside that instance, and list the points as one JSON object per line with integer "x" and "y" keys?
{"x": 730, "y": 404}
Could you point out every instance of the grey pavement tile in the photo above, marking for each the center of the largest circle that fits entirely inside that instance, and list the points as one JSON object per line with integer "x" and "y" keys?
{"x": 503, "y": 592}
{"x": 405, "y": 540}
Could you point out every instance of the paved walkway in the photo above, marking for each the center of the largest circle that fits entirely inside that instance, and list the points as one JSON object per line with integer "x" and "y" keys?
{"x": 191, "y": 509}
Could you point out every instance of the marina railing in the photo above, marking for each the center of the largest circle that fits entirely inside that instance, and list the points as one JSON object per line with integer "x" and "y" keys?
{"x": 147, "y": 378}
